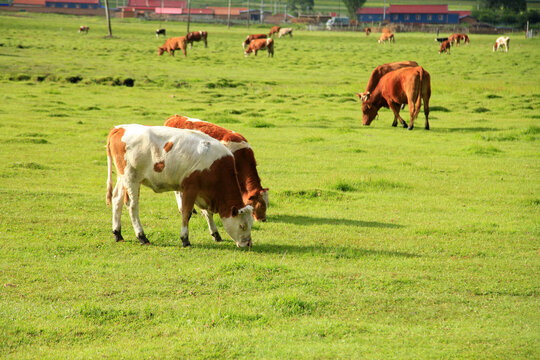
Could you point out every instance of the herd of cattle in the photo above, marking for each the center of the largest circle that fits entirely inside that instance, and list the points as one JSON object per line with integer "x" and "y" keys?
{"x": 214, "y": 167}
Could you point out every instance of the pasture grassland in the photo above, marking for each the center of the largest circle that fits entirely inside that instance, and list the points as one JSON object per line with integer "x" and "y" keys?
{"x": 380, "y": 242}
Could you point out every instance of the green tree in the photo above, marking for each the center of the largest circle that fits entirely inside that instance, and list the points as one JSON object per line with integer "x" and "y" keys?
{"x": 353, "y": 6}
{"x": 513, "y": 5}
{"x": 304, "y": 5}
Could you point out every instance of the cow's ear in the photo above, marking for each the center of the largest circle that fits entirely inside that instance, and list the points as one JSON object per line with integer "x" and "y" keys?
{"x": 234, "y": 211}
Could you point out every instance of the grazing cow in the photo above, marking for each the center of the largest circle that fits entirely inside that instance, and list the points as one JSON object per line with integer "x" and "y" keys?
{"x": 368, "y": 31}
{"x": 172, "y": 44}
{"x": 274, "y": 30}
{"x": 386, "y": 37}
{"x": 408, "y": 85}
{"x": 253, "y": 193}
{"x": 378, "y": 73}
{"x": 445, "y": 47}
{"x": 386, "y": 30}
{"x": 464, "y": 38}
{"x": 500, "y": 42}
{"x": 454, "y": 39}
{"x": 161, "y": 32}
{"x": 441, "y": 39}
{"x": 84, "y": 29}
{"x": 168, "y": 159}
{"x": 197, "y": 36}
{"x": 250, "y": 38}
{"x": 285, "y": 31}
{"x": 260, "y": 44}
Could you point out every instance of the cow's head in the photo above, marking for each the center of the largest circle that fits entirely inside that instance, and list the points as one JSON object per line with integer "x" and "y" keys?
{"x": 369, "y": 112}
{"x": 259, "y": 202}
{"x": 238, "y": 225}
{"x": 160, "y": 50}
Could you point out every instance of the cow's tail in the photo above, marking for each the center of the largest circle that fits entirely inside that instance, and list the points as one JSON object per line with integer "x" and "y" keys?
{"x": 418, "y": 101}
{"x": 507, "y": 45}
{"x": 109, "y": 174}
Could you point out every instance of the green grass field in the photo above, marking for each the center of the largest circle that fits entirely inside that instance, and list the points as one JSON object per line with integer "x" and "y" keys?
{"x": 381, "y": 243}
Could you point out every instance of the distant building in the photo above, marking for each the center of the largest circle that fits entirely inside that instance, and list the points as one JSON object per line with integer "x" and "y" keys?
{"x": 412, "y": 14}
{"x": 73, "y": 4}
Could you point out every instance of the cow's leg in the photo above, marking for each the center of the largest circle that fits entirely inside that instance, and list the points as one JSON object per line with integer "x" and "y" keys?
{"x": 211, "y": 224}
{"x": 205, "y": 43}
{"x": 413, "y": 111}
{"x": 188, "y": 201}
{"x": 395, "y": 108}
{"x": 133, "y": 190}
{"x": 117, "y": 200}
{"x": 178, "y": 196}
{"x": 256, "y": 52}
{"x": 184, "y": 51}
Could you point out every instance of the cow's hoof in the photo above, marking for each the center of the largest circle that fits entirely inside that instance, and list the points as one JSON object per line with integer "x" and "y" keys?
{"x": 143, "y": 240}
{"x": 405, "y": 125}
{"x": 217, "y": 237}
{"x": 394, "y": 124}
{"x": 185, "y": 242}
{"x": 118, "y": 236}
{"x": 410, "y": 128}
{"x": 427, "y": 128}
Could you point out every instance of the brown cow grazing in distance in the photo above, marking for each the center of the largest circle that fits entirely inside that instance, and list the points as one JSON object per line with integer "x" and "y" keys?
{"x": 172, "y": 44}
{"x": 285, "y": 31}
{"x": 445, "y": 47}
{"x": 251, "y": 38}
{"x": 260, "y": 44}
{"x": 454, "y": 39}
{"x": 197, "y": 36}
{"x": 274, "y": 30}
{"x": 84, "y": 29}
{"x": 253, "y": 193}
{"x": 386, "y": 37}
{"x": 169, "y": 159}
{"x": 464, "y": 38}
{"x": 380, "y": 71}
{"x": 410, "y": 85}
{"x": 368, "y": 31}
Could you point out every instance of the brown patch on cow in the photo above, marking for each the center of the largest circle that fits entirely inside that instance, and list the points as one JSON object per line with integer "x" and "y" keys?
{"x": 159, "y": 166}
{"x": 116, "y": 148}
{"x": 168, "y": 146}
{"x": 213, "y": 130}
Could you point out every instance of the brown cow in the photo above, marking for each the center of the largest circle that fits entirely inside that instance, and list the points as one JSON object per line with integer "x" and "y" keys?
{"x": 464, "y": 38}
{"x": 84, "y": 29}
{"x": 197, "y": 36}
{"x": 408, "y": 85}
{"x": 445, "y": 47}
{"x": 172, "y": 44}
{"x": 368, "y": 31}
{"x": 454, "y": 39}
{"x": 274, "y": 30}
{"x": 246, "y": 167}
{"x": 378, "y": 73}
{"x": 386, "y": 36}
{"x": 169, "y": 159}
{"x": 260, "y": 44}
{"x": 250, "y": 38}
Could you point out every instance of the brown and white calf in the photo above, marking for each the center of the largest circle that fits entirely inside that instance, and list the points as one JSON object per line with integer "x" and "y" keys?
{"x": 260, "y": 44}
{"x": 445, "y": 47}
{"x": 380, "y": 71}
{"x": 253, "y": 193}
{"x": 172, "y": 44}
{"x": 169, "y": 159}
{"x": 274, "y": 30}
{"x": 84, "y": 29}
{"x": 503, "y": 41}
{"x": 250, "y": 38}
{"x": 161, "y": 32}
{"x": 464, "y": 38}
{"x": 454, "y": 39}
{"x": 368, "y": 31}
{"x": 197, "y": 36}
{"x": 285, "y": 31}
{"x": 386, "y": 36}
{"x": 410, "y": 85}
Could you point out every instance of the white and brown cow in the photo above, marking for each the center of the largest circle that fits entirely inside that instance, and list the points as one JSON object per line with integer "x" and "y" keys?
{"x": 197, "y": 36}
{"x": 260, "y": 44}
{"x": 84, "y": 29}
{"x": 386, "y": 36}
{"x": 503, "y": 41}
{"x": 285, "y": 31}
{"x": 169, "y": 159}
{"x": 246, "y": 167}
{"x": 252, "y": 37}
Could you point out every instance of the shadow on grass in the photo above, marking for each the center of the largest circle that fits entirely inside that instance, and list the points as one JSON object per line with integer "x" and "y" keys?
{"x": 468, "y": 129}
{"x": 309, "y": 220}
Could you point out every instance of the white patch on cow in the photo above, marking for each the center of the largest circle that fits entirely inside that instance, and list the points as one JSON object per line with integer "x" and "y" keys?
{"x": 239, "y": 227}
{"x": 235, "y": 146}
{"x": 268, "y": 41}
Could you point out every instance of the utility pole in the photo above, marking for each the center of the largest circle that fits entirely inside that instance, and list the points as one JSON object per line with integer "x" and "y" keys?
{"x": 229, "y": 16}
{"x": 262, "y": 11}
{"x": 249, "y": 13}
{"x": 188, "y": 15}
{"x": 108, "y": 17}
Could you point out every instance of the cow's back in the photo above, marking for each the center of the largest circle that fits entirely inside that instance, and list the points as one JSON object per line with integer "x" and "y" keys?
{"x": 217, "y": 132}
{"x": 383, "y": 69}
